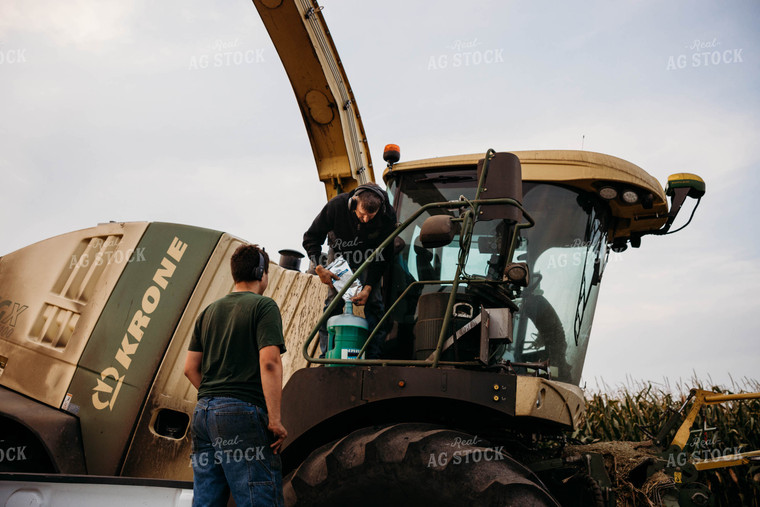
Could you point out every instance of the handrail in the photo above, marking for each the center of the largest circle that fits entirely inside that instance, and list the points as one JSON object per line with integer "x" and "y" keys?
{"x": 402, "y": 362}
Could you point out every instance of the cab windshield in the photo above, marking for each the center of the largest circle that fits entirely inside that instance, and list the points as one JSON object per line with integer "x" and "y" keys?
{"x": 565, "y": 251}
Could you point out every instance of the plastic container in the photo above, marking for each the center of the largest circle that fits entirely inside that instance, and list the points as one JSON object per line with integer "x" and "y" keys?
{"x": 346, "y": 334}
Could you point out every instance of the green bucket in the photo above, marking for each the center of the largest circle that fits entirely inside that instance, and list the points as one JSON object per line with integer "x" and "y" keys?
{"x": 346, "y": 334}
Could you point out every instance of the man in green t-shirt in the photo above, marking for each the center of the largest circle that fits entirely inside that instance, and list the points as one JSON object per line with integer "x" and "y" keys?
{"x": 234, "y": 361}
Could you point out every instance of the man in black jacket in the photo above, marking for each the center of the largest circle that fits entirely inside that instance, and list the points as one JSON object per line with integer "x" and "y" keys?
{"x": 355, "y": 223}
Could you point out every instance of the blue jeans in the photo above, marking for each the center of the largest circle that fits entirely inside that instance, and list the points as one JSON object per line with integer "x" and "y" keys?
{"x": 231, "y": 453}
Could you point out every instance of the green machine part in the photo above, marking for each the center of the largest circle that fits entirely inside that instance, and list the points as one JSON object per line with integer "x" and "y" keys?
{"x": 130, "y": 338}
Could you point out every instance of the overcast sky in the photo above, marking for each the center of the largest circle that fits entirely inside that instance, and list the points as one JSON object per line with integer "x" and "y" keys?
{"x": 180, "y": 111}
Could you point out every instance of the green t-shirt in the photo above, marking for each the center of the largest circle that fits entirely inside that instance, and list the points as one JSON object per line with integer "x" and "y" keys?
{"x": 230, "y": 332}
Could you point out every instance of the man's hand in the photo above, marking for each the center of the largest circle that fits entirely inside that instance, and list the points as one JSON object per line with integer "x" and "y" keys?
{"x": 280, "y": 432}
{"x": 326, "y": 277}
{"x": 361, "y": 298}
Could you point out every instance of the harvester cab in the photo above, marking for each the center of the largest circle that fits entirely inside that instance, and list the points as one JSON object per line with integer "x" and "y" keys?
{"x": 490, "y": 302}
{"x": 500, "y": 257}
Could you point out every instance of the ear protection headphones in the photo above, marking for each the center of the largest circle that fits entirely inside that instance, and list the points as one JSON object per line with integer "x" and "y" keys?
{"x": 352, "y": 202}
{"x": 258, "y": 271}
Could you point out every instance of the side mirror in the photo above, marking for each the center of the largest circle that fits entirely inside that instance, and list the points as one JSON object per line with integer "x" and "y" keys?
{"x": 504, "y": 179}
{"x": 437, "y": 231}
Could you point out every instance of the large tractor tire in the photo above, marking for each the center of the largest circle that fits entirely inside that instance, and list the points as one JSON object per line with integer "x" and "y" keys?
{"x": 413, "y": 464}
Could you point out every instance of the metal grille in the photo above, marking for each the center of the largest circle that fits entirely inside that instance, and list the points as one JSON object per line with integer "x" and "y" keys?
{"x": 76, "y": 284}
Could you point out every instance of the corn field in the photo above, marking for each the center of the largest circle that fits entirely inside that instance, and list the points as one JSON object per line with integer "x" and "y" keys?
{"x": 634, "y": 413}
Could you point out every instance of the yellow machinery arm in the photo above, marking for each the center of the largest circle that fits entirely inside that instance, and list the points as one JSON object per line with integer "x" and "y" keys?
{"x": 303, "y": 42}
{"x": 702, "y": 398}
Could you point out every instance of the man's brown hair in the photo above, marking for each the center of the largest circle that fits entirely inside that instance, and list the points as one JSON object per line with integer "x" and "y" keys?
{"x": 244, "y": 262}
{"x": 371, "y": 200}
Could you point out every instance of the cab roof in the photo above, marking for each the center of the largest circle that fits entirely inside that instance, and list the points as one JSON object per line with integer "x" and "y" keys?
{"x": 583, "y": 170}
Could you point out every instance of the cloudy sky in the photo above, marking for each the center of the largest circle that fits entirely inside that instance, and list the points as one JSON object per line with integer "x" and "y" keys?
{"x": 180, "y": 111}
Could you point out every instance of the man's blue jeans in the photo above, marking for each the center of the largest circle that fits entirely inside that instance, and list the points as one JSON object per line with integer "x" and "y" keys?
{"x": 231, "y": 453}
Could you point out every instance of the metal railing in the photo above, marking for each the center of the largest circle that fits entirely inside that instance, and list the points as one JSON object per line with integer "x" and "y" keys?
{"x": 468, "y": 219}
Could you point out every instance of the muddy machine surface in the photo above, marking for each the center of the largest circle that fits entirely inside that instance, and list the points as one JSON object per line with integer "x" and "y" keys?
{"x": 490, "y": 298}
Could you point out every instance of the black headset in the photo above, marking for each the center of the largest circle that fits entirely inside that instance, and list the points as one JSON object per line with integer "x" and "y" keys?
{"x": 258, "y": 271}
{"x": 363, "y": 188}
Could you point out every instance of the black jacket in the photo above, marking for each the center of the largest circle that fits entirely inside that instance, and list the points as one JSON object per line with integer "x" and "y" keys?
{"x": 350, "y": 238}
